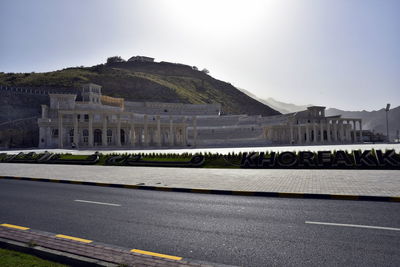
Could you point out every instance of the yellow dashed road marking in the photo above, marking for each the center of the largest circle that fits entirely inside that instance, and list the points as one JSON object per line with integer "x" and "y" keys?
{"x": 74, "y": 238}
{"x": 156, "y": 254}
{"x": 14, "y": 226}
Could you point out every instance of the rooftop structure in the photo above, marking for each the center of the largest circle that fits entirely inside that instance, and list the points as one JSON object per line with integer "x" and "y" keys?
{"x": 141, "y": 59}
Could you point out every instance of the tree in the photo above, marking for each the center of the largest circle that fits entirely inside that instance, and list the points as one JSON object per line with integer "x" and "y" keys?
{"x": 206, "y": 71}
{"x": 114, "y": 59}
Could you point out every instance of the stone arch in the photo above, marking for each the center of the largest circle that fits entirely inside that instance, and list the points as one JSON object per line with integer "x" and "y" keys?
{"x": 71, "y": 136}
{"x": 97, "y": 136}
{"x": 122, "y": 135}
{"x": 109, "y": 136}
{"x": 85, "y": 134}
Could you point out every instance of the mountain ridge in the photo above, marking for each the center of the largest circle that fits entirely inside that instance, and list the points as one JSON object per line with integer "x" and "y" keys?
{"x": 148, "y": 81}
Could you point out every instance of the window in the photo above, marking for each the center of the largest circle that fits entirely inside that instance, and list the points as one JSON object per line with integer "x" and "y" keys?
{"x": 86, "y": 117}
{"x": 109, "y": 136}
{"x": 54, "y": 133}
{"x": 85, "y": 134}
{"x": 71, "y": 136}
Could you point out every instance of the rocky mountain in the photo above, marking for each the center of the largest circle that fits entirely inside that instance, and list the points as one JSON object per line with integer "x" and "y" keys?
{"x": 134, "y": 81}
{"x": 373, "y": 120}
{"x": 282, "y": 107}
{"x": 148, "y": 81}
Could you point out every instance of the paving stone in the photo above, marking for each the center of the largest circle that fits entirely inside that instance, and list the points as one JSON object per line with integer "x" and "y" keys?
{"x": 343, "y": 182}
{"x": 100, "y": 252}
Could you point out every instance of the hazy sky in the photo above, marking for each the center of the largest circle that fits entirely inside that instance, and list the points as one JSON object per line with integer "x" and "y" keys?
{"x": 338, "y": 53}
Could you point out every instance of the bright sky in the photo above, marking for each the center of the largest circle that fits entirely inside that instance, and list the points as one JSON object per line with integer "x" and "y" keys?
{"x": 338, "y": 53}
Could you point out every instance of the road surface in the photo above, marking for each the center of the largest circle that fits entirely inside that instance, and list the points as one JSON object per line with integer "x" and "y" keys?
{"x": 247, "y": 231}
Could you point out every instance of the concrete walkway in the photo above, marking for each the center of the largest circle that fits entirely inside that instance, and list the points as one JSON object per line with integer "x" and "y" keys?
{"x": 83, "y": 252}
{"x": 340, "y": 182}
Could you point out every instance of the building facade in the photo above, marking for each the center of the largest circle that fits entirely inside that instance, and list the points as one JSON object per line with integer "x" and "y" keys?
{"x": 92, "y": 120}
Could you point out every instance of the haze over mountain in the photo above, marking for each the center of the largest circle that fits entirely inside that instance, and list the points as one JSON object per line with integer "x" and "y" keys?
{"x": 282, "y": 107}
{"x": 373, "y": 120}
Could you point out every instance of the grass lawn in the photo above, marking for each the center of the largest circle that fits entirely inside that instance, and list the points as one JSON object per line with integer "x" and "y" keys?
{"x": 69, "y": 156}
{"x": 166, "y": 159}
{"x": 9, "y": 258}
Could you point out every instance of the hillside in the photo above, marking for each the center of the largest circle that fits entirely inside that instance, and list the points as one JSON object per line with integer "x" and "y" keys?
{"x": 145, "y": 81}
{"x": 134, "y": 81}
{"x": 282, "y": 107}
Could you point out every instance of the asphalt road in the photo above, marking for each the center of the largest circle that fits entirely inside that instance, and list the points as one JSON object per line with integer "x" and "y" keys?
{"x": 248, "y": 231}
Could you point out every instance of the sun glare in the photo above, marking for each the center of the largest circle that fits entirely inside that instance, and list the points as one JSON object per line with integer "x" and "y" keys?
{"x": 223, "y": 18}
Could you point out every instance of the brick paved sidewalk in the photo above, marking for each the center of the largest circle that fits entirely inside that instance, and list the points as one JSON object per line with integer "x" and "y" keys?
{"x": 340, "y": 182}
{"x": 115, "y": 256}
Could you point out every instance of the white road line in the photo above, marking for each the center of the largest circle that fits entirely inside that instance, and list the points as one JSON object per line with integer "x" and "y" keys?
{"x": 95, "y": 202}
{"x": 355, "y": 225}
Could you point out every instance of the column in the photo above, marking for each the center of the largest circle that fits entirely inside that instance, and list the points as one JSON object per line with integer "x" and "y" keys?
{"x": 118, "y": 135}
{"x": 104, "y": 131}
{"x": 361, "y": 140}
{"x": 60, "y": 130}
{"x": 171, "y": 132}
{"x": 158, "y": 131}
{"x": 90, "y": 130}
{"x": 334, "y": 122}
{"x": 340, "y": 124}
{"x": 44, "y": 112}
{"x": 132, "y": 134}
{"x": 291, "y": 141}
{"x": 354, "y": 132}
{"x": 307, "y": 134}
{"x": 195, "y": 131}
{"x": 328, "y": 130}
{"x": 347, "y": 129}
{"x": 321, "y": 129}
{"x": 315, "y": 132}
{"x": 48, "y": 139}
{"x": 76, "y": 131}
{"x": 184, "y": 132}
{"x": 300, "y": 139}
{"x": 145, "y": 131}
{"x": 42, "y": 137}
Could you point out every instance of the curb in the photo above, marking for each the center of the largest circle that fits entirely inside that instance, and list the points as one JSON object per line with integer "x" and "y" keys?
{"x": 53, "y": 255}
{"x": 217, "y": 191}
{"x": 71, "y": 259}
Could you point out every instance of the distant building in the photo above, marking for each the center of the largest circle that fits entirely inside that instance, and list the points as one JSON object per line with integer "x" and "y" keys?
{"x": 370, "y": 136}
{"x": 141, "y": 59}
{"x": 104, "y": 121}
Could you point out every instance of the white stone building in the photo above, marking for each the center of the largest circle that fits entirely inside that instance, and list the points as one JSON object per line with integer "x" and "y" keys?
{"x": 102, "y": 121}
